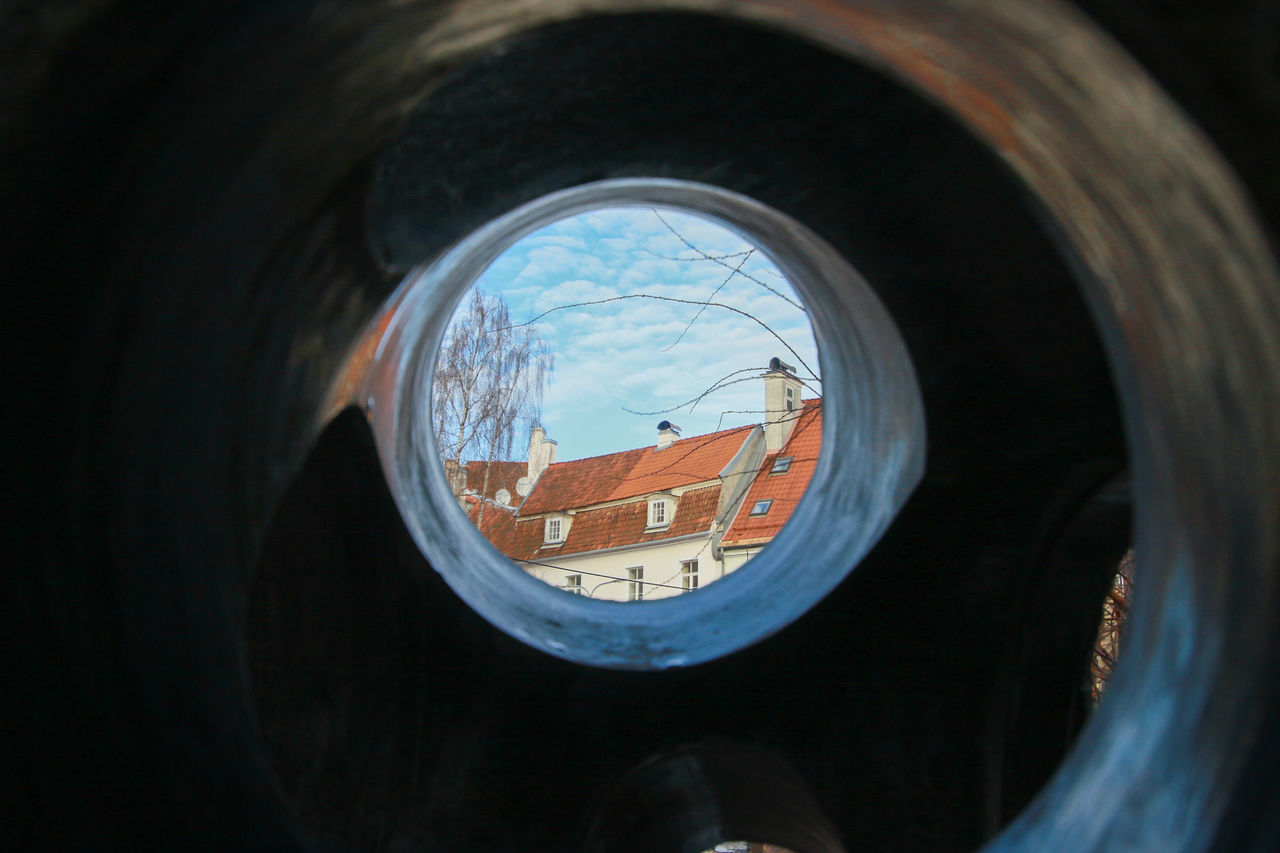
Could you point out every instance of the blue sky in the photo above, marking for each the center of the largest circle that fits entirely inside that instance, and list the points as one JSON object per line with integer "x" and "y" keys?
{"x": 642, "y": 354}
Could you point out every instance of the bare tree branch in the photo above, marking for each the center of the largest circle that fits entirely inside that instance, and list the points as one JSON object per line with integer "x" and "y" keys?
{"x": 627, "y": 296}
{"x": 718, "y": 259}
{"x": 698, "y": 313}
{"x": 489, "y": 378}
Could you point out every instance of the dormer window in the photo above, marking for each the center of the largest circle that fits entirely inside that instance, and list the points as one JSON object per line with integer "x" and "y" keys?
{"x": 781, "y": 465}
{"x": 555, "y": 530}
{"x": 659, "y": 512}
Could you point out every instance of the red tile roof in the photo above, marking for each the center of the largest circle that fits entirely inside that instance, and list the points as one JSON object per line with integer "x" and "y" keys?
{"x": 502, "y": 475}
{"x": 499, "y": 526}
{"x": 632, "y": 473}
{"x": 784, "y": 490}
{"x": 596, "y": 529}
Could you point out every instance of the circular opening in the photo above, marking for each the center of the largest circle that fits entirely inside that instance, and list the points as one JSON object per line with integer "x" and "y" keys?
{"x": 871, "y": 406}
{"x": 607, "y": 411}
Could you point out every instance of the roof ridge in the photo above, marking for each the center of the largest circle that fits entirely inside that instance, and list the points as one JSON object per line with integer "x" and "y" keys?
{"x": 681, "y": 440}
{"x": 597, "y": 456}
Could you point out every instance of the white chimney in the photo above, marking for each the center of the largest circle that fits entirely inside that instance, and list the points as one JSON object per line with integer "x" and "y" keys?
{"x": 781, "y": 404}
{"x": 542, "y": 452}
{"x": 668, "y": 434}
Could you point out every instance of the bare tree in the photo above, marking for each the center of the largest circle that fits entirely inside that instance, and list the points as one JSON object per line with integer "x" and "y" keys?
{"x": 488, "y": 382}
{"x": 723, "y": 298}
{"x": 1115, "y": 615}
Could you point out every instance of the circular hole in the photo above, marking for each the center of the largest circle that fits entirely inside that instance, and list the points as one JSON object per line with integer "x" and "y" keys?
{"x": 671, "y": 447}
{"x": 871, "y": 405}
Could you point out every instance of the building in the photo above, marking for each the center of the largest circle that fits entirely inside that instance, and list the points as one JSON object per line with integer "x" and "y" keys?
{"x": 661, "y": 520}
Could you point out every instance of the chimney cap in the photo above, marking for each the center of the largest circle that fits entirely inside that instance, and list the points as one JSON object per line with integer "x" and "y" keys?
{"x": 776, "y": 363}
{"x": 668, "y": 425}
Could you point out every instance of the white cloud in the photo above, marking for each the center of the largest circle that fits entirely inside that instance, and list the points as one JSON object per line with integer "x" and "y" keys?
{"x": 623, "y": 354}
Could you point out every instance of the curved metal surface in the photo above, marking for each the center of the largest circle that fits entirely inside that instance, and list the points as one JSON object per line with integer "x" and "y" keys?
{"x": 217, "y": 185}
{"x": 873, "y": 411}
{"x": 698, "y": 796}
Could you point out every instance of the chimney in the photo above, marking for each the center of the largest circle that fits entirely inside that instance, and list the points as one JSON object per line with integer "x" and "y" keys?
{"x": 668, "y": 434}
{"x": 542, "y": 452}
{"x": 781, "y": 403}
{"x": 456, "y": 475}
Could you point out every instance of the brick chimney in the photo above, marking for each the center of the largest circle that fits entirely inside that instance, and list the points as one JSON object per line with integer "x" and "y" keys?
{"x": 781, "y": 403}
{"x": 542, "y": 452}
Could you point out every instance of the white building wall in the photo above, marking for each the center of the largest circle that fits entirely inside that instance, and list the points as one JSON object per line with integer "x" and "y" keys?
{"x": 661, "y": 563}
{"x": 735, "y": 558}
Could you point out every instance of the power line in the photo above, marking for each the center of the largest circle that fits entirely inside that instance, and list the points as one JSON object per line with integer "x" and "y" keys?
{"x": 598, "y": 575}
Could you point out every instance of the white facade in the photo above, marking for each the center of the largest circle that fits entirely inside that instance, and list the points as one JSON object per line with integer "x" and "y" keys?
{"x": 579, "y": 531}
{"x": 735, "y": 558}
{"x": 609, "y": 574}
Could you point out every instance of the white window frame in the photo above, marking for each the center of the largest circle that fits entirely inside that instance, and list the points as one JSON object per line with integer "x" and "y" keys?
{"x": 689, "y": 574}
{"x": 573, "y": 585}
{"x": 635, "y": 583}
{"x": 659, "y": 505}
{"x": 558, "y": 523}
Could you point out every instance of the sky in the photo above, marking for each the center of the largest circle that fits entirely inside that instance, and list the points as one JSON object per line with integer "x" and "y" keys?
{"x": 620, "y": 365}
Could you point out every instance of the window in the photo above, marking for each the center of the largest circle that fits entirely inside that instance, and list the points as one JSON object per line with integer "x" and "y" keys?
{"x": 635, "y": 585}
{"x": 657, "y": 513}
{"x": 689, "y": 574}
{"x": 573, "y": 584}
{"x": 791, "y": 399}
{"x": 781, "y": 465}
{"x": 555, "y": 530}
{"x": 761, "y": 507}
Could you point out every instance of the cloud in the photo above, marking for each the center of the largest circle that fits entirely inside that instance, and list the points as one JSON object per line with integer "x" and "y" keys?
{"x": 567, "y": 241}
{"x": 568, "y": 293}
{"x": 642, "y": 354}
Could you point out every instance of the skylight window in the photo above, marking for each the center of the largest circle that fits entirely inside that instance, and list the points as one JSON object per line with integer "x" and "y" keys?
{"x": 781, "y": 465}
{"x": 761, "y": 507}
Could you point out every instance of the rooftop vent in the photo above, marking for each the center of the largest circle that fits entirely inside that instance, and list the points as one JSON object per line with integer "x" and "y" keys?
{"x": 776, "y": 363}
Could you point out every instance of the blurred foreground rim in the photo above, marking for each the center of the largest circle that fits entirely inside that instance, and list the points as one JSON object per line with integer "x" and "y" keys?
{"x": 873, "y": 403}
{"x": 1184, "y": 291}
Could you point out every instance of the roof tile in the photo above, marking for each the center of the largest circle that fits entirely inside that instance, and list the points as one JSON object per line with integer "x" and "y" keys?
{"x": 785, "y": 490}
{"x": 632, "y": 473}
{"x": 596, "y": 529}
{"x": 502, "y": 475}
